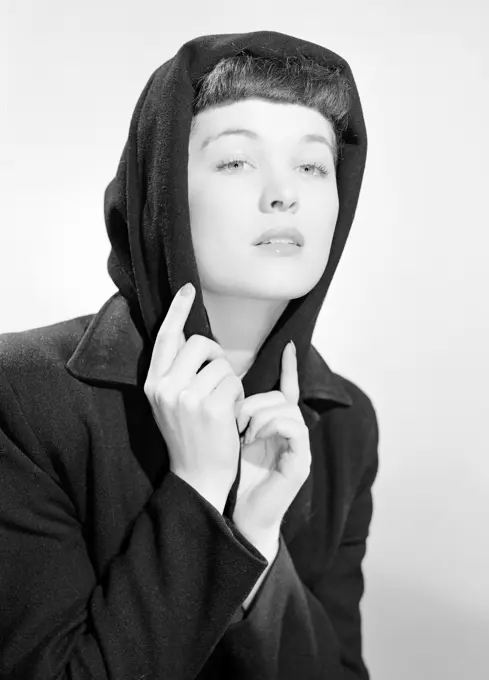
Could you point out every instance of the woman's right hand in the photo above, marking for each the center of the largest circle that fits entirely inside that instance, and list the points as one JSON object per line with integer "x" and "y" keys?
{"x": 195, "y": 412}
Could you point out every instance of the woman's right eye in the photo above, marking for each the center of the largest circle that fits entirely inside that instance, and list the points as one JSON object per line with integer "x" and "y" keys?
{"x": 226, "y": 164}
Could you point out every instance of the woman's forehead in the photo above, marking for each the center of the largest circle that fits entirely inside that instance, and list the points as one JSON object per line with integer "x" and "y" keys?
{"x": 259, "y": 120}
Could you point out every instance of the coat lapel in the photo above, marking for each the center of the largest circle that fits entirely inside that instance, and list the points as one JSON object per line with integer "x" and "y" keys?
{"x": 111, "y": 351}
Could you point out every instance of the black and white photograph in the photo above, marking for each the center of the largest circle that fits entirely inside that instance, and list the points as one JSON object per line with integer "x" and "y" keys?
{"x": 244, "y": 340}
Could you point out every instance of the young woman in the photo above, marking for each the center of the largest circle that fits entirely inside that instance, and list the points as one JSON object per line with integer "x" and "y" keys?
{"x": 183, "y": 492}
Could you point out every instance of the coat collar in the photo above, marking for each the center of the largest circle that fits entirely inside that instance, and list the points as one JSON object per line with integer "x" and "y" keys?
{"x": 111, "y": 348}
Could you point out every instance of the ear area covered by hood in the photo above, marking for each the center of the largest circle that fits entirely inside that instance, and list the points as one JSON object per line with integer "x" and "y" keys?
{"x": 146, "y": 204}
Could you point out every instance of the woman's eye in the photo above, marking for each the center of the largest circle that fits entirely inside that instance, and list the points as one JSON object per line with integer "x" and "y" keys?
{"x": 323, "y": 171}
{"x": 226, "y": 164}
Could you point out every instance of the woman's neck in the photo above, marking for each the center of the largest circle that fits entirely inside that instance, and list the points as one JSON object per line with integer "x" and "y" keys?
{"x": 241, "y": 325}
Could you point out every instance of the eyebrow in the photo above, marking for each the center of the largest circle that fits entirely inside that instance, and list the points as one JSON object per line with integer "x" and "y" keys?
{"x": 255, "y": 136}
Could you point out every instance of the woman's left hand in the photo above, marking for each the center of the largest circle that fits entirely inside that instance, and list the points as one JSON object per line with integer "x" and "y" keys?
{"x": 276, "y": 461}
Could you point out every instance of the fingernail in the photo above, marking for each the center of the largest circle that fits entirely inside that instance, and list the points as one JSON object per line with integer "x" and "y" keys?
{"x": 293, "y": 347}
{"x": 187, "y": 289}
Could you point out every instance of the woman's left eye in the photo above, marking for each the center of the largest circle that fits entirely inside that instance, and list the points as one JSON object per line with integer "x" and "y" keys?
{"x": 322, "y": 169}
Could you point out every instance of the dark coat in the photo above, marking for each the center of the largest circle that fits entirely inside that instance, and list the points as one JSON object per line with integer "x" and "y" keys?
{"x": 111, "y": 566}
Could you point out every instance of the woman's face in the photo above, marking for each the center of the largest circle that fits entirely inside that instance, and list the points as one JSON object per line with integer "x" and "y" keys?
{"x": 239, "y": 185}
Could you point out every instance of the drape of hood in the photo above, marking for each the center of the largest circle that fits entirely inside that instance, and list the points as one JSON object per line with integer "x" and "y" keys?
{"x": 146, "y": 204}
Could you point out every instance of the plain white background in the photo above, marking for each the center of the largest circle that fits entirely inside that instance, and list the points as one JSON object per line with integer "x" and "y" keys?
{"x": 406, "y": 316}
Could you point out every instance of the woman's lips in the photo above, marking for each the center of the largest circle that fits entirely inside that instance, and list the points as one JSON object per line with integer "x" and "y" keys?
{"x": 284, "y": 249}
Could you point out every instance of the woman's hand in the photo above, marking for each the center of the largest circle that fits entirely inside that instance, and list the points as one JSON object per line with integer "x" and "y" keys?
{"x": 276, "y": 460}
{"x": 195, "y": 408}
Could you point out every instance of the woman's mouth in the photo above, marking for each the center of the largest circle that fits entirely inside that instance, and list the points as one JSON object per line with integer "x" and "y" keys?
{"x": 279, "y": 248}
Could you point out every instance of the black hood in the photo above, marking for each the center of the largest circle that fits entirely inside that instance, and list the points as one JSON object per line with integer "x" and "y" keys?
{"x": 146, "y": 204}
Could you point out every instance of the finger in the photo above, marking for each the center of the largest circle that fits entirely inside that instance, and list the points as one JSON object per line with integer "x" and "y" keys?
{"x": 171, "y": 338}
{"x": 254, "y": 403}
{"x": 289, "y": 378}
{"x": 298, "y": 455}
{"x": 266, "y": 415}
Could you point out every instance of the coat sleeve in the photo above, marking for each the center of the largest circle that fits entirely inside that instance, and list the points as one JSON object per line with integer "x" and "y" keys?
{"x": 293, "y": 631}
{"x": 163, "y": 603}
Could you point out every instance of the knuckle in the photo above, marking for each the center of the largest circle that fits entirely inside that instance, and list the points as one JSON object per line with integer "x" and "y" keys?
{"x": 198, "y": 343}
{"x": 194, "y": 339}
{"x": 278, "y": 396}
{"x": 222, "y": 362}
{"x": 163, "y": 335}
{"x": 161, "y": 395}
{"x": 187, "y": 400}
{"x": 202, "y": 341}
{"x": 154, "y": 391}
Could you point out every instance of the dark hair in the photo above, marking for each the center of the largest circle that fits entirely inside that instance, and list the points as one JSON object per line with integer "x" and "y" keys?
{"x": 295, "y": 80}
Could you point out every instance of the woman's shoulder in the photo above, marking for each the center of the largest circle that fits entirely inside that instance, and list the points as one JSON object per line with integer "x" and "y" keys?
{"x": 44, "y": 411}
{"x": 341, "y": 396}
{"x": 362, "y": 407}
{"x": 37, "y": 354}
{"x": 42, "y": 407}
{"x": 349, "y": 423}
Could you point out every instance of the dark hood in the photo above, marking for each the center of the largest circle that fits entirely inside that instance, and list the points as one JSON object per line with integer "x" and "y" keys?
{"x": 146, "y": 204}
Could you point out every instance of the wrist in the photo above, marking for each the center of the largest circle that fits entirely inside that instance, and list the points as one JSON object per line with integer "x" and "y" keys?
{"x": 267, "y": 542}
{"x": 270, "y": 555}
{"x": 270, "y": 547}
